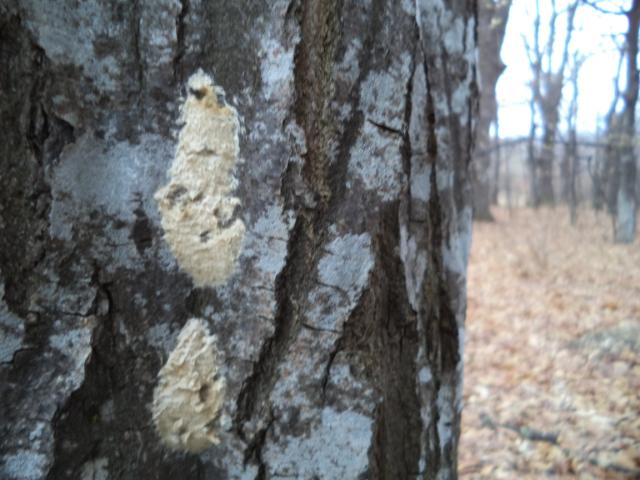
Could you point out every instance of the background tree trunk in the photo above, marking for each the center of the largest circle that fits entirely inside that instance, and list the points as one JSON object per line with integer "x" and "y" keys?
{"x": 492, "y": 24}
{"x": 497, "y": 161}
{"x": 570, "y": 165}
{"x": 547, "y": 154}
{"x": 601, "y": 171}
{"x": 304, "y": 197}
{"x": 547, "y": 85}
{"x": 611, "y": 170}
{"x": 532, "y": 159}
{"x": 626, "y": 201}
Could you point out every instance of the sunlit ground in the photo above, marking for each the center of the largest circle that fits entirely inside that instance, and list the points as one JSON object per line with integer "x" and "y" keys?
{"x": 552, "y": 374}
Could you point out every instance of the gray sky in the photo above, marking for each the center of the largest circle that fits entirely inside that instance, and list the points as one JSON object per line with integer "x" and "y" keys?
{"x": 591, "y": 38}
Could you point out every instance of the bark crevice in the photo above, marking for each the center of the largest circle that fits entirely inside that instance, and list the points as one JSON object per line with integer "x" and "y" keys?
{"x": 395, "y": 450}
{"x": 180, "y": 50}
{"x": 313, "y": 60}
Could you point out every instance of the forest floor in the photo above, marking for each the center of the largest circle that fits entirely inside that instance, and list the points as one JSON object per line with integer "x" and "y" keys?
{"x": 552, "y": 356}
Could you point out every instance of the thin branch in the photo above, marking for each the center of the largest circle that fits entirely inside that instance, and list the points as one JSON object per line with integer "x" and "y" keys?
{"x": 529, "y": 50}
{"x": 608, "y": 118}
{"x": 570, "y": 22}
{"x": 597, "y": 7}
{"x": 552, "y": 35}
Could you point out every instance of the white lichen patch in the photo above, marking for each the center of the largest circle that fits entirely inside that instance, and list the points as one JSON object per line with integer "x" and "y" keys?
{"x": 119, "y": 178}
{"x": 75, "y": 345}
{"x": 266, "y": 241}
{"x": 349, "y": 69}
{"x": 382, "y": 93}
{"x": 197, "y": 205}
{"x": 335, "y": 448}
{"x": 276, "y": 69}
{"x": 420, "y": 182}
{"x": 11, "y": 330}
{"x": 376, "y": 161}
{"x": 456, "y": 253}
{"x": 343, "y": 273}
{"x": 96, "y": 469}
{"x": 445, "y": 404}
{"x": 347, "y": 264}
{"x": 24, "y": 465}
{"x": 415, "y": 265}
{"x": 424, "y": 375}
{"x": 188, "y": 398}
{"x": 439, "y": 24}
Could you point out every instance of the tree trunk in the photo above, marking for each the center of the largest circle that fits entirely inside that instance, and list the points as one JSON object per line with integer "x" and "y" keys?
{"x": 596, "y": 166}
{"x": 547, "y": 85}
{"x": 233, "y": 238}
{"x": 611, "y": 167}
{"x": 532, "y": 159}
{"x": 626, "y": 201}
{"x": 572, "y": 157}
{"x": 605, "y": 163}
{"x": 492, "y": 23}
{"x": 546, "y": 194}
{"x": 497, "y": 161}
{"x": 570, "y": 160}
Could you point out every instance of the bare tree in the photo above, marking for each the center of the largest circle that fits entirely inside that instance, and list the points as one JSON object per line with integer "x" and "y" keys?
{"x": 233, "y": 237}
{"x": 605, "y": 165}
{"x": 621, "y": 161}
{"x": 492, "y": 23}
{"x": 611, "y": 168}
{"x": 570, "y": 163}
{"x": 532, "y": 159}
{"x": 547, "y": 86}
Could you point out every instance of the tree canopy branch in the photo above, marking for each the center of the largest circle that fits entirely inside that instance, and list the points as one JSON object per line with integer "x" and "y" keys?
{"x": 593, "y": 4}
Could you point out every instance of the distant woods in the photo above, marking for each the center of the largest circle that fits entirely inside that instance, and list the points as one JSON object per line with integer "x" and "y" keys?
{"x": 555, "y": 163}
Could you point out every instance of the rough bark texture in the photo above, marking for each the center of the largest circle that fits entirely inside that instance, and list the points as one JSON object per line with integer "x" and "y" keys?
{"x": 492, "y": 25}
{"x": 338, "y": 334}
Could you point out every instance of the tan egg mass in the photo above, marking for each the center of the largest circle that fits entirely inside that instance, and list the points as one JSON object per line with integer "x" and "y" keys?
{"x": 190, "y": 393}
{"x": 197, "y": 206}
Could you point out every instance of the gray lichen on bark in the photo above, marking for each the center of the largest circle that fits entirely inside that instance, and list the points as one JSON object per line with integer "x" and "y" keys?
{"x": 340, "y": 328}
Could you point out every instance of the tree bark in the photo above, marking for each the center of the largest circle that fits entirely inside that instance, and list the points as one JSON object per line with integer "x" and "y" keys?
{"x": 233, "y": 237}
{"x": 492, "y": 23}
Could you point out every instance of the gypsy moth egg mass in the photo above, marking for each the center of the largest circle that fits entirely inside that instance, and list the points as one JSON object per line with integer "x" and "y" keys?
{"x": 188, "y": 399}
{"x": 202, "y": 173}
